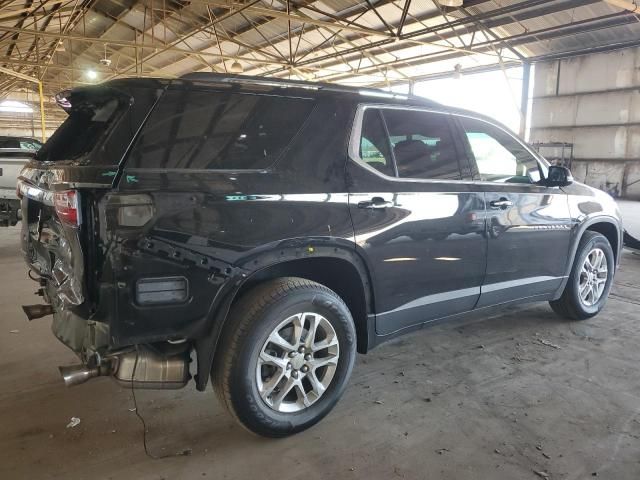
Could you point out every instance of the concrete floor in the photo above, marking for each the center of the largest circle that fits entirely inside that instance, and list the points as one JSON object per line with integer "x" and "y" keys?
{"x": 501, "y": 397}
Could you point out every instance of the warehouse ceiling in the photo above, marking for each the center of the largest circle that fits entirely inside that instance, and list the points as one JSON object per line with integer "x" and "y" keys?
{"x": 372, "y": 42}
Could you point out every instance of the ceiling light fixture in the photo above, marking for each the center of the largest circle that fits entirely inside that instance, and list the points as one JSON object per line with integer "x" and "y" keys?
{"x": 91, "y": 74}
{"x": 11, "y": 106}
{"x": 236, "y": 67}
{"x": 450, "y": 3}
{"x": 104, "y": 60}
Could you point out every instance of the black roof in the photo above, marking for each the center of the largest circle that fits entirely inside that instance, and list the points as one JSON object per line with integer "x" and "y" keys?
{"x": 260, "y": 84}
{"x": 308, "y": 87}
{"x": 299, "y": 87}
{"x": 303, "y": 88}
{"x": 319, "y": 88}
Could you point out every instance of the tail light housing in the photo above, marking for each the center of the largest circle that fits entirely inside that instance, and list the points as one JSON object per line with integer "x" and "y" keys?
{"x": 66, "y": 206}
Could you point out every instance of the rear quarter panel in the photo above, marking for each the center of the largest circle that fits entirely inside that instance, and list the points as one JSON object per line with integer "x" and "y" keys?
{"x": 210, "y": 226}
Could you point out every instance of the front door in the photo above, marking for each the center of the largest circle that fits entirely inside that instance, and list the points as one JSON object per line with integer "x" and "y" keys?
{"x": 418, "y": 225}
{"x": 528, "y": 224}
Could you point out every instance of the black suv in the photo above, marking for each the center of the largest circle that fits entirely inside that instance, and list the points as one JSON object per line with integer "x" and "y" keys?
{"x": 274, "y": 228}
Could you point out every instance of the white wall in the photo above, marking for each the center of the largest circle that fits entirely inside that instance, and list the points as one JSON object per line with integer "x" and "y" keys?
{"x": 496, "y": 94}
{"x": 593, "y": 102}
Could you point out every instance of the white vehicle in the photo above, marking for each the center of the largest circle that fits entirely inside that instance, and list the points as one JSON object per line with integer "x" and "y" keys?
{"x": 14, "y": 153}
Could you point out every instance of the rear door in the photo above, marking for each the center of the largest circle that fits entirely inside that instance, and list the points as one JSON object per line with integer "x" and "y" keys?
{"x": 528, "y": 224}
{"x": 417, "y": 223}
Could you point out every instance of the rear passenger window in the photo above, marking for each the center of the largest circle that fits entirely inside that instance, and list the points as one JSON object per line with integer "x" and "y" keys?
{"x": 415, "y": 144}
{"x": 375, "y": 149}
{"x": 196, "y": 129}
{"x": 423, "y": 145}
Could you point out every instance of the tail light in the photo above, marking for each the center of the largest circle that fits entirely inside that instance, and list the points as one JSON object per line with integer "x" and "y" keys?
{"x": 66, "y": 205}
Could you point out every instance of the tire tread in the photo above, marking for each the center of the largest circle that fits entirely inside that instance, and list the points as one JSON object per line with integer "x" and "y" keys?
{"x": 565, "y": 306}
{"x": 242, "y": 316}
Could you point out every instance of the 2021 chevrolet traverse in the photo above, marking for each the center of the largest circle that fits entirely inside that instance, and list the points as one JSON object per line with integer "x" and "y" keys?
{"x": 275, "y": 228}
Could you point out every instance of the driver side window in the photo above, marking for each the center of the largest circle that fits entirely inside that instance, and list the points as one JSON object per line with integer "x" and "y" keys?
{"x": 498, "y": 156}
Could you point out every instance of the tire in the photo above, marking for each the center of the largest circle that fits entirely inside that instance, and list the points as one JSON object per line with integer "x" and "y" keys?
{"x": 239, "y": 368}
{"x": 571, "y": 305}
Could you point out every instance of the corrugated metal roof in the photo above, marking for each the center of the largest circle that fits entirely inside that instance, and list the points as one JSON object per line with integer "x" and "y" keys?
{"x": 349, "y": 41}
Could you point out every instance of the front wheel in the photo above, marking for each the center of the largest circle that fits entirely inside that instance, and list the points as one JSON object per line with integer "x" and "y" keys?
{"x": 285, "y": 357}
{"x": 590, "y": 281}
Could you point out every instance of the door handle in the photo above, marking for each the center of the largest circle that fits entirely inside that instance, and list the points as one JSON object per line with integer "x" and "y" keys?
{"x": 376, "y": 203}
{"x": 501, "y": 204}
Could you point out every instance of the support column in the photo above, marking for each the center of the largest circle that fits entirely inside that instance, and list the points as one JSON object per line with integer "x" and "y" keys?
{"x": 524, "y": 103}
{"x": 42, "y": 120}
{"x": 27, "y": 78}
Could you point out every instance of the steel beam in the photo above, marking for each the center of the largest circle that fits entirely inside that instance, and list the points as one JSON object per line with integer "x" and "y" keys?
{"x": 524, "y": 103}
{"x": 522, "y": 39}
{"x": 510, "y": 12}
{"x": 488, "y": 46}
{"x": 586, "y": 51}
{"x": 129, "y": 44}
{"x": 41, "y": 96}
{"x": 545, "y": 10}
{"x": 632, "y": 6}
{"x": 282, "y": 14}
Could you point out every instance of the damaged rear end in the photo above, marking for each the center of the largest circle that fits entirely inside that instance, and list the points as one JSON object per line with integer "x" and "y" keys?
{"x": 62, "y": 192}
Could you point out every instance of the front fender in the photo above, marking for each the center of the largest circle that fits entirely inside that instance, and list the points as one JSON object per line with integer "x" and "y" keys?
{"x": 577, "y": 234}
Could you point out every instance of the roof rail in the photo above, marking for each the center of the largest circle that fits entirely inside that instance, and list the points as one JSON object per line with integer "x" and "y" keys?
{"x": 284, "y": 83}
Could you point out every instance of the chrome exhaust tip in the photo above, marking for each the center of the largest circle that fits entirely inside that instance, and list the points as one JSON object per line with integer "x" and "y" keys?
{"x": 77, "y": 374}
{"x": 37, "y": 311}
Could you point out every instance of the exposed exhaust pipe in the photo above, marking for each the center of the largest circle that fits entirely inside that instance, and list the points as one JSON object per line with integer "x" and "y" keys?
{"x": 144, "y": 368}
{"x": 37, "y": 311}
{"x": 77, "y": 374}
{"x": 80, "y": 373}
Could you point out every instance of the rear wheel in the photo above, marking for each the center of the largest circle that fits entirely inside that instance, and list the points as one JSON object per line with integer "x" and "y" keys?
{"x": 590, "y": 281}
{"x": 285, "y": 357}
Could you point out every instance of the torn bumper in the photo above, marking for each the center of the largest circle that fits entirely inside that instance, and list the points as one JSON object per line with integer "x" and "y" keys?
{"x": 54, "y": 253}
{"x": 85, "y": 337}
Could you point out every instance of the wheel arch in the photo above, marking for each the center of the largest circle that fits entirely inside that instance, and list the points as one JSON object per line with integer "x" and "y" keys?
{"x": 338, "y": 274}
{"x": 611, "y": 233}
{"x": 339, "y": 269}
{"x": 605, "y": 225}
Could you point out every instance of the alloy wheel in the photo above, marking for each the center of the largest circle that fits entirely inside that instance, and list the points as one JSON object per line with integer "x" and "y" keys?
{"x": 593, "y": 277}
{"x": 297, "y": 362}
